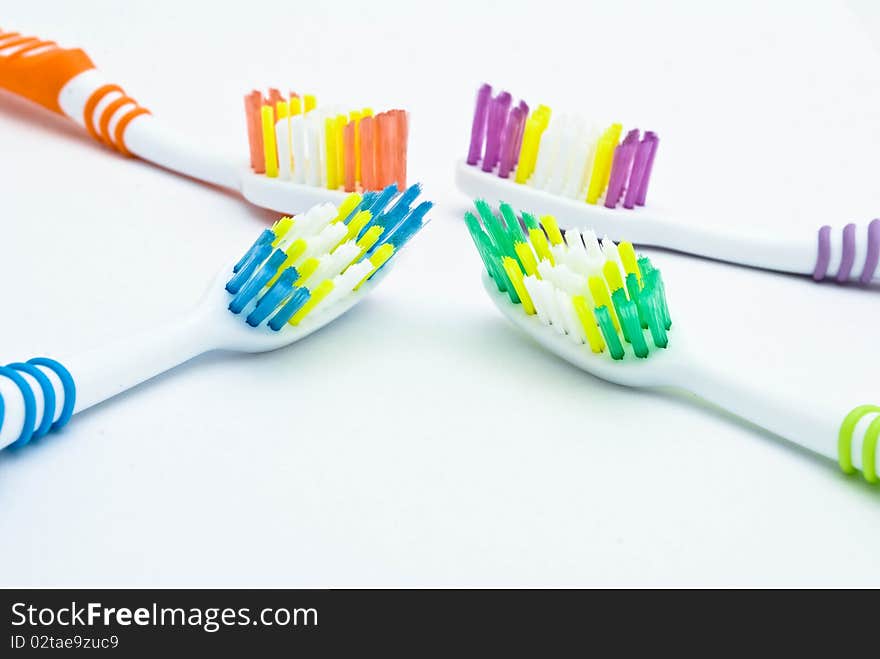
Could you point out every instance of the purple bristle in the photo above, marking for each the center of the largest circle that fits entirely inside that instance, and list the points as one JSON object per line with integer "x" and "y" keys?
{"x": 620, "y": 168}
{"x": 512, "y": 135}
{"x": 478, "y": 129}
{"x": 524, "y": 109}
{"x": 497, "y": 120}
{"x": 652, "y": 142}
{"x": 637, "y": 174}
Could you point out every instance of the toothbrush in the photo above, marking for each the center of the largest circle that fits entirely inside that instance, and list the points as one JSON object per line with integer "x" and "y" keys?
{"x": 301, "y": 155}
{"x": 298, "y": 276}
{"x": 594, "y": 179}
{"x": 568, "y": 293}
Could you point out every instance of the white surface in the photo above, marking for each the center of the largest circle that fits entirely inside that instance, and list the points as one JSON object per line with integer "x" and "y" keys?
{"x": 421, "y": 440}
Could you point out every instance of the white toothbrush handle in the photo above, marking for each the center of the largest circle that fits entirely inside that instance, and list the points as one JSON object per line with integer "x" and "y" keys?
{"x": 848, "y": 254}
{"x": 90, "y": 378}
{"x": 848, "y": 436}
{"x": 65, "y": 81}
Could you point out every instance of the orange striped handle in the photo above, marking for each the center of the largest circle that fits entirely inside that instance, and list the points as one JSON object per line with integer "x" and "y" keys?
{"x": 38, "y": 76}
{"x": 38, "y": 70}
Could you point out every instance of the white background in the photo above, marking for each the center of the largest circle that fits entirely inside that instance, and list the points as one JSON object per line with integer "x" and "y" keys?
{"x": 420, "y": 440}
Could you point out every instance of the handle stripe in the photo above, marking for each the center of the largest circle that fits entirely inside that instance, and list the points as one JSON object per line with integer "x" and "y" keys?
{"x": 119, "y": 133}
{"x": 849, "y": 252}
{"x": 30, "y": 405}
{"x": 848, "y": 248}
{"x": 844, "y": 441}
{"x": 48, "y": 396}
{"x": 869, "y": 451}
{"x": 92, "y": 103}
{"x": 873, "y": 255}
{"x": 101, "y": 133}
{"x": 67, "y": 384}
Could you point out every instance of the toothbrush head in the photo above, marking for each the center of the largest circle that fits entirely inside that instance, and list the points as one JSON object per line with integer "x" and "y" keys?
{"x": 593, "y": 302}
{"x": 307, "y": 270}
{"x": 321, "y": 153}
{"x": 565, "y": 156}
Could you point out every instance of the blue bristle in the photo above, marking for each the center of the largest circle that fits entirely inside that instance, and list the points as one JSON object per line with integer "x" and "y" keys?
{"x": 277, "y": 293}
{"x": 394, "y": 215}
{"x": 300, "y": 296}
{"x": 409, "y": 226}
{"x": 366, "y": 202}
{"x": 266, "y": 238}
{"x": 255, "y": 284}
{"x": 382, "y": 200}
{"x": 249, "y": 266}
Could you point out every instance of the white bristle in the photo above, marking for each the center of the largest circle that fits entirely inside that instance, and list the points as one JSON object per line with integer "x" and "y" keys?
{"x": 535, "y": 288}
{"x": 332, "y": 264}
{"x": 572, "y": 324}
{"x": 609, "y": 250}
{"x": 321, "y": 243}
{"x": 282, "y": 139}
{"x": 298, "y": 140}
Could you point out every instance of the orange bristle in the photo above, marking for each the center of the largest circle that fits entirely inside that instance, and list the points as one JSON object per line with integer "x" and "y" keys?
{"x": 400, "y": 156}
{"x": 350, "y": 165}
{"x": 368, "y": 181}
{"x": 252, "y": 104}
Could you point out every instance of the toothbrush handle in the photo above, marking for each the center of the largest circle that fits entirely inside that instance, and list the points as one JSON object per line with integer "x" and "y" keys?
{"x": 848, "y": 436}
{"x": 66, "y": 82}
{"x": 849, "y": 254}
{"x": 41, "y": 395}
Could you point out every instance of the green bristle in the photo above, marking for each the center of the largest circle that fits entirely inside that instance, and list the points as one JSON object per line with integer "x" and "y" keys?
{"x": 650, "y": 296}
{"x": 530, "y": 221}
{"x": 635, "y": 294}
{"x": 618, "y": 298}
{"x": 645, "y": 266}
{"x": 655, "y": 281}
{"x": 632, "y": 329}
{"x": 497, "y": 232}
{"x": 488, "y": 253}
{"x": 514, "y": 230}
{"x": 477, "y": 234}
{"x": 606, "y": 325}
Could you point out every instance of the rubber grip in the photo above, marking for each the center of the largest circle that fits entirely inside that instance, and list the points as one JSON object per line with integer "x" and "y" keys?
{"x": 39, "y": 77}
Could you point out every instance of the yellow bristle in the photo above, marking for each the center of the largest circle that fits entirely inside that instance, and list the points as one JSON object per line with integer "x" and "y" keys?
{"x": 539, "y": 242}
{"x": 553, "y": 232}
{"x": 368, "y": 240}
{"x": 347, "y": 206}
{"x": 536, "y": 124}
{"x": 629, "y": 260}
{"x": 357, "y": 224}
{"x": 338, "y": 129}
{"x": 378, "y": 259}
{"x": 280, "y": 229}
{"x": 295, "y": 106}
{"x": 588, "y": 321}
{"x": 330, "y": 151}
{"x": 294, "y": 251}
{"x": 317, "y": 294}
{"x": 282, "y": 110}
{"x": 356, "y": 116}
{"x": 601, "y": 171}
{"x": 516, "y": 278}
{"x": 309, "y": 103}
{"x": 599, "y": 291}
{"x": 306, "y": 270}
{"x": 612, "y": 275}
{"x": 270, "y": 152}
{"x": 527, "y": 258}
{"x": 529, "y": 150}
